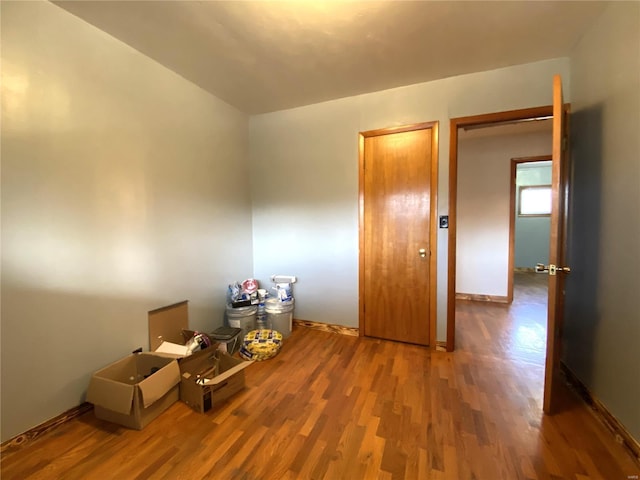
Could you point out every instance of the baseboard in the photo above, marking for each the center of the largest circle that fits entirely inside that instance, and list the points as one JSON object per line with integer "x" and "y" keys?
{"x": 327, "y": 327}
{"x": 37, "y": 431}
{"x": 618, "y": 431}
{"x": 354, "y": 332}
{"x": 474, "y": 297}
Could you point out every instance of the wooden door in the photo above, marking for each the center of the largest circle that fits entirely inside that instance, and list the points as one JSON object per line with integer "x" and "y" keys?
{"x": 397, "y": 237}
{"x": 557, "y": 268}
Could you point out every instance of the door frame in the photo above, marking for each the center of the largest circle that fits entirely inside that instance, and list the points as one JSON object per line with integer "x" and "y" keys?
{"x": 455, "y": 123}
{"x": 512, "y": 214}
{"x": 433, "y": 223}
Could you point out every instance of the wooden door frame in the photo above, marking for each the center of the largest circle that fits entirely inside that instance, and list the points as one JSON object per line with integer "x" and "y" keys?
{"x": 433, "y": 223}
{"x": 455, "y": 123}
{"x": 512, "y": 215}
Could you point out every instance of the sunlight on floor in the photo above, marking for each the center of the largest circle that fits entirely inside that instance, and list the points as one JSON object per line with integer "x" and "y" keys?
{"x": 528, "y": 344}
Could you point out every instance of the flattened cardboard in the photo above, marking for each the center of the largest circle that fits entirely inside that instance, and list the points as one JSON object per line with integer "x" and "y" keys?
{"x": 121, "y": 394}
{"x": 167, "y": 323}
{"x": 227, "y": 382}
{"x": 168, "y": 330}
{"x": 172, "y": 349}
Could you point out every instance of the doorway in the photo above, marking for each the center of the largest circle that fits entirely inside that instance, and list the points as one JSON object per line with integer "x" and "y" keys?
{"x": 456, "y": 124}
{"x": 484, "y": 221}
{"x": 398, "y": 185}
{"x": 557, "y": 268}
{"x": 530, "y": 214}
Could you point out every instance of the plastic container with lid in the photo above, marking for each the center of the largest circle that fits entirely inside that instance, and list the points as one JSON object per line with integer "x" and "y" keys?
{"x": 280, "y": 315}
{"x": 242, "y": 317}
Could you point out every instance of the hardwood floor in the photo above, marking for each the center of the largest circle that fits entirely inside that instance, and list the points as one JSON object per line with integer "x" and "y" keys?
{"x": 333, "y": 406}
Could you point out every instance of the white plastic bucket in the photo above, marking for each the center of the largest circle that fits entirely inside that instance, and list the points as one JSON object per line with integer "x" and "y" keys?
{"x": 280, "y": 315}
{"x": 242, "y": 317}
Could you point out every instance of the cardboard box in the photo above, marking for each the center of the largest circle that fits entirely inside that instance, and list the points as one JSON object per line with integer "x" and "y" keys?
{"x": 128, "y": 393}
{"x": 168, "y": 333}
{"x": 223, "y": 377}
{"x": 169, "y": 330}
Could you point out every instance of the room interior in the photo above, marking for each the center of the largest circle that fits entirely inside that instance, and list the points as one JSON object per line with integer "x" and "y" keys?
{"x": 484, "y": 191}
{"x": 154, "y": 152}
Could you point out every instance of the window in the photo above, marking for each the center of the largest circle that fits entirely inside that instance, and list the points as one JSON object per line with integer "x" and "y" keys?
{"x": 534, "y": 201}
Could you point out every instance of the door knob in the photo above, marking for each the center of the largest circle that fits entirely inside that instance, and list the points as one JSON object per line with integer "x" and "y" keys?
{"x": 551, "y": 268}
{"x": 422, "y": 252}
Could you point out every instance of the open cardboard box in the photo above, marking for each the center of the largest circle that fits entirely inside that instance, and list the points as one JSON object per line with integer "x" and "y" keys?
{"x": 226, "y": 378}
{"x": 168, "y": 333}
{"x": 135, "y": 390}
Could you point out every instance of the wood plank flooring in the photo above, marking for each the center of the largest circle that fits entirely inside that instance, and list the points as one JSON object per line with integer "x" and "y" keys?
{"x": 333, "y": 406}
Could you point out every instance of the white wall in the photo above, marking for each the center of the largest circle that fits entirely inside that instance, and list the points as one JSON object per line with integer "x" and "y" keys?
{"x": 123, "y": 189}
{"x": 304, "y": 165}
{"x": 531, "y": 233}
{"x": 484, "y": 194}
{"x": 602, "y": 319}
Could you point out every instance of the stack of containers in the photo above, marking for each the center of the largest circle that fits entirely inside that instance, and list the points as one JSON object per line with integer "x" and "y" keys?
{"x": 241, "y": 309}
{"x": 279, "y": 309}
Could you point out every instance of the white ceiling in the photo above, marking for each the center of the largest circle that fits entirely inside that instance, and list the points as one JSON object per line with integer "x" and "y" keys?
{"x": 262, "y": 56}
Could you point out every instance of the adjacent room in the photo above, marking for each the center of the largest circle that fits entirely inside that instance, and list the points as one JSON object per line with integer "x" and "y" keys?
{"x": 155, "y": 152}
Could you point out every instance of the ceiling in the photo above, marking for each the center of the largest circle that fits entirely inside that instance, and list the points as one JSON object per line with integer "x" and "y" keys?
{"x": 262, "y": 56}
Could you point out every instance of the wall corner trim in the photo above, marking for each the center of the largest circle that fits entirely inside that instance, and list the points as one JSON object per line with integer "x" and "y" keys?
{"x": 619, "y": 433}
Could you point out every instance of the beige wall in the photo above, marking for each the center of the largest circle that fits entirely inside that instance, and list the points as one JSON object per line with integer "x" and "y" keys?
{"x": 484, "y": 191}
{"x": 124, "y": 188}
{"x": 602, "y": 320}
{"x": 305, "y": 177}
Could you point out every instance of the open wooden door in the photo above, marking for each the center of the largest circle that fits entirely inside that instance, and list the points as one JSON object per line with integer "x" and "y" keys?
{"x": 557, "y": 268}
